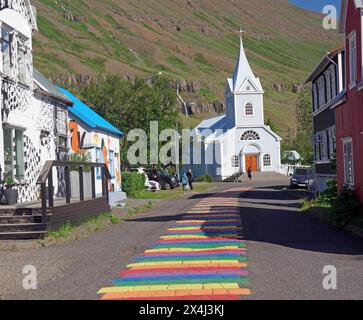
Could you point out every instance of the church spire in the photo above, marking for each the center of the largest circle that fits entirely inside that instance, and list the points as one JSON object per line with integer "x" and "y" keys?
{"x": 243, "y": 69}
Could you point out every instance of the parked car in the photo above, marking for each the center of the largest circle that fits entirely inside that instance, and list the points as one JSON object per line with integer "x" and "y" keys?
{"x": 302, "y": 178}
{"x": 166, "y": 181}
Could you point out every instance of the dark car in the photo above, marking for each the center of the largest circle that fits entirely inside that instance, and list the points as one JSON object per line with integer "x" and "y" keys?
{"x": 166, "y": 181}
{"x": 302, "y": 178}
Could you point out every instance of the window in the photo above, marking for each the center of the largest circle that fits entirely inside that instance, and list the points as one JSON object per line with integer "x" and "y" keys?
{"x": 112, "y": 164}
{"x": 352, "y": 60}
{"x": 315, "y": 96}
{"x": 98, "y": 160}
{"x": 250, "y": 135}
{"x": 14, "y": 153}
{"x": 348, "y": 162}
{"x": 22, "y": 64}
{"x": 321, "y": 90}
{"x": 321, "y": 147}
{"x": 249, "y": 109}
{"x": 267, "y": 160}
{"x": 235, "y": 162}
{"x": 333, "y": 78}
{"x": 6, "y": 51}
{"x": 332, "y": 141}
{"x": 328, "y": 86}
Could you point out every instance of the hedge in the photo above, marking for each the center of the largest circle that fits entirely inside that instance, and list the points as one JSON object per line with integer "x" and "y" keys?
{"x": 132, "y": 182}
{"x": 205, "y": 178}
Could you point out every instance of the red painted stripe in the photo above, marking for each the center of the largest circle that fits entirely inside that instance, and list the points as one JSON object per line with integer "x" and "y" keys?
{"x": 216, "y": 269}
{"x": 200, "y": 298}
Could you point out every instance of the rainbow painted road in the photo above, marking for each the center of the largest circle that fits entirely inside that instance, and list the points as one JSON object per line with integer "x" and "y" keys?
{"x": 203, "y": 257}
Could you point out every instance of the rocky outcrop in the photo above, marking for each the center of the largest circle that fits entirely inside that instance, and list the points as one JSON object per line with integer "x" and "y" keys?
{"x": 186, "y": 85}
{"x": 208, "y": 107}
{"x": 296, "y": 88}
{"x": 71, "y": 17}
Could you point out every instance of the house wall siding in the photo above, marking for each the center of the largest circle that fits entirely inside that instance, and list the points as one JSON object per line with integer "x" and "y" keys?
{"x": 349, "y": 117}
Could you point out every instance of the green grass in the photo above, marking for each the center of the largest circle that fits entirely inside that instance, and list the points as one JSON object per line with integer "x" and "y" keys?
{"x": 171, "y": 194}
{"x": 178, "y": 63}
{"x": 90, "y": 225}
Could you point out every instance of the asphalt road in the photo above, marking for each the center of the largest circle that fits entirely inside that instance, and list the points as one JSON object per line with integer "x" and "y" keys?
{"x": 287, "y": 251}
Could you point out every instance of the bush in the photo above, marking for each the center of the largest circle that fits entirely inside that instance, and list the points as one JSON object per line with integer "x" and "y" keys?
{"x": 344, "y": 207}
{"x": 328, "y": 197}
{"x": 132, "y": 182}
{"x": 206, "y": 178}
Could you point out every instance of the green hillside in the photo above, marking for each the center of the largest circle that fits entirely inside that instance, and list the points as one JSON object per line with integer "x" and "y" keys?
{"x": 193, "y": 40}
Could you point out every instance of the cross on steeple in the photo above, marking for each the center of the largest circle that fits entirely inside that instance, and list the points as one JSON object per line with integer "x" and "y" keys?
{"x": 241, "y": 31}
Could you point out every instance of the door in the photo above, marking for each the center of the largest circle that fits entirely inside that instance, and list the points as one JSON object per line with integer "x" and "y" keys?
{"x": 251, "y": 162}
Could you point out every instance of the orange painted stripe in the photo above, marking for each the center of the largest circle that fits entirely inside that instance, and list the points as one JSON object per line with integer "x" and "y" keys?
{"x": 176, "y": 293}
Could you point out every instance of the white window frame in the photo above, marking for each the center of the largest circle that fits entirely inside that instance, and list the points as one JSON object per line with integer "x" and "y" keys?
{"x": 348, "y": 180}
{"x": 235, "y": 161}
{"x": 267, "y": 160}
{"x": 5, "y": 72}
{"x": 352, "y": 40}
{"x": 332, "y": 141}
{"x": 253, "y": 109}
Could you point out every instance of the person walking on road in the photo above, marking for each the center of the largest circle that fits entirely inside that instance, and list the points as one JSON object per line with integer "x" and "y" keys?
{"x": 249, "y": 173}
{"x": 185, "y": 182}
{"x": 190, "y": 179}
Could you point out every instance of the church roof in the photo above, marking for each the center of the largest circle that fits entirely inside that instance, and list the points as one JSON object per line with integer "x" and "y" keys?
{"x": 243, "y": 74}
{"x": 213, "y": 123}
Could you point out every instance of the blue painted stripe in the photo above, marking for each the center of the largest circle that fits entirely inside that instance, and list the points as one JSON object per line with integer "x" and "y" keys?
{"x": 177, "y": 277}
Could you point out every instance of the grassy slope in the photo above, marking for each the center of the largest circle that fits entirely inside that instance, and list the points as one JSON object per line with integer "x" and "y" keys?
{"x": 194, "y": 40}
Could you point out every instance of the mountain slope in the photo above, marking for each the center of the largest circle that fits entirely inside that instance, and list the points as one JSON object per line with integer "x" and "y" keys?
{"x": 185, "y": 39}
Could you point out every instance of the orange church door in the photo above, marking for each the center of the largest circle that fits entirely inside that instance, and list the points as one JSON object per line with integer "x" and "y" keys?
{"x": 251, "y": 162}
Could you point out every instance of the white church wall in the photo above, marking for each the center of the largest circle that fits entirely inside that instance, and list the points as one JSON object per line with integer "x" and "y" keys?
{"x": 241, "y": 118}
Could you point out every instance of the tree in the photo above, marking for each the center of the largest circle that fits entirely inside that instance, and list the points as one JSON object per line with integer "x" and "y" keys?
{"x": 302, "y": 142}
{"x": 129, "y": 105}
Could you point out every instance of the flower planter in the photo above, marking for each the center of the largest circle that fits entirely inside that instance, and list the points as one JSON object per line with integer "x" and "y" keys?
{"x": 11, "y": 196}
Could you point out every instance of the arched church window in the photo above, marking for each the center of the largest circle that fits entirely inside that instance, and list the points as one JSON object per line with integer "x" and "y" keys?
{"x": 267, "y": 160}
{"x": 249, "y": 109}
{"x": 235, "y": 161}
{"x": 250, "y": 135}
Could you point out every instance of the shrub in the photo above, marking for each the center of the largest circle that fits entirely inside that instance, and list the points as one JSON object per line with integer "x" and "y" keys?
{"x": 206, "y": 178}
{"x": 328, "y": 197}
{"x": 132, "y": 182}
{"x": 79, "y": 157}
{"x": 344, "y": 207}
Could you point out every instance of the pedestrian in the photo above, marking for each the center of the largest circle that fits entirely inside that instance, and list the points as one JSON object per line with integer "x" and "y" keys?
{"x": 249, "y": 173}
{"x": 236, "y": 176}
{"x": 185, "y": 182}
{"x": 190, "y": 178}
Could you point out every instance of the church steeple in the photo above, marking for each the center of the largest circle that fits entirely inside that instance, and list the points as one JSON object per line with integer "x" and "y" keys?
{"x": 243, "y": 71}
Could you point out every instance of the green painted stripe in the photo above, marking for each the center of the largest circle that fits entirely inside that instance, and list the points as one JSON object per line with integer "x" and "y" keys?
{"x": 241, "y": 281}
{"x": 241, "y": 259}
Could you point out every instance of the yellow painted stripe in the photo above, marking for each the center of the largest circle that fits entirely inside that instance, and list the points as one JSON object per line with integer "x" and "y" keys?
{"x": 184, "y": 266}
{"x": 178, "y": 263}
{"x": 169, "y": 288}
{"x": 204, "y": 228}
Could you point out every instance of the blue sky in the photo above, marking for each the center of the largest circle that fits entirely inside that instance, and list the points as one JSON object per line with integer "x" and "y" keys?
{"x": 316, "y": 5}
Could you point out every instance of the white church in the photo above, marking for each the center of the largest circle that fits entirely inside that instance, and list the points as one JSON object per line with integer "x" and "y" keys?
{"x": 238, "y": 140}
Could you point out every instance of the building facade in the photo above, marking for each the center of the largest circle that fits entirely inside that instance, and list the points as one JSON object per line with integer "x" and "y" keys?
{"x": 31, "y": 115}
{"x": 239, "y": 140}
{"x": 328, "y": 92}
{"x": 91, "y": 134}
{"x": 349, "y": 116}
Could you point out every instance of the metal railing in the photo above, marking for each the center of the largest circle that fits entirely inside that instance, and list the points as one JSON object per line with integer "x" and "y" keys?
{"x": 46, "y": 178}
